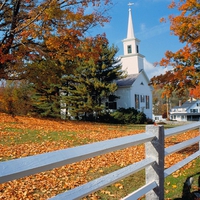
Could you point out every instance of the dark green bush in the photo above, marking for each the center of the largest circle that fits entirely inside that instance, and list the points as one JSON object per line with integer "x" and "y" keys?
{"x": 128, "y": 116}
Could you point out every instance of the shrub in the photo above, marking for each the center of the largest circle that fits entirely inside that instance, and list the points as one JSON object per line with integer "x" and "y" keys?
{"x": 129, "y": 116}
{"x": 15, "y": 98}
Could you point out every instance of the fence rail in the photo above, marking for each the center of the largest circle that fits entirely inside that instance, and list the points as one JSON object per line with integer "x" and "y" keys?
{"x": 153, "y": 138}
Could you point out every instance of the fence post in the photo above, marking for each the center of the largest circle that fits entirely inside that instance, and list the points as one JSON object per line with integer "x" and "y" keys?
{"x": 155, "y": 150}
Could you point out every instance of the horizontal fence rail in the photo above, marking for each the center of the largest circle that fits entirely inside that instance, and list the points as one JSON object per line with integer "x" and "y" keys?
{"x": 142, "y": 191}
{"x": 153, "y": 138}
{"x": 47, "y": 161}
{"x": 104, "y": 181}
{"x": 181, "y": 146}
{"x": 180, "y": 164}
{"x": 181, "y": 129}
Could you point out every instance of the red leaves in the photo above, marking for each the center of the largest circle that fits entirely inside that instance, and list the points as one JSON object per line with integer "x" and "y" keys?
{"x": 195, "y": 92}
{"x": 4, "y": 57}
{"x": 28, "y": 28}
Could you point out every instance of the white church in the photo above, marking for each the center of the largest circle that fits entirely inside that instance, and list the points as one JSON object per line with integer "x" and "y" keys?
{"x": 133, "y": 91}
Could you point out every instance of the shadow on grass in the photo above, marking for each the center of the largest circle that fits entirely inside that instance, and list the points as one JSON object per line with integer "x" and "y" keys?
{"x": 187, "y": 194}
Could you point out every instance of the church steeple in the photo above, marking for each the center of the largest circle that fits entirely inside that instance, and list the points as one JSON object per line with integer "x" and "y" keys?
{"x": 130, "y": 31}
{"x": 132, "y": 60}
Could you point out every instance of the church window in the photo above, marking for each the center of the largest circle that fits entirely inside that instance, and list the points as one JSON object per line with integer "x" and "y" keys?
{"x": 147, "y": 102}
{"x": 111, "y": 98}
{"x": 137, "y": 48}
{"x": 137, "y": 102}
{"x": 129, "y": 49}
{"x": 142, "y": 99}
{"x": 111, "y": 104}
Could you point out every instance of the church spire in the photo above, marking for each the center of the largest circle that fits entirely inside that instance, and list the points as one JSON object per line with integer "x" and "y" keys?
{"x": 132, "y": 60}
{"x": 130, "y": 31}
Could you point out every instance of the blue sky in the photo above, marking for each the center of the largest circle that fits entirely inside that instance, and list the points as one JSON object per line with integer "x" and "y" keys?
{"x": 155, "y": 36}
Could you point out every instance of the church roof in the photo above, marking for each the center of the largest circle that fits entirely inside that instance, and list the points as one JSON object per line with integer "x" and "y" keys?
{"x": 128, "y": 81}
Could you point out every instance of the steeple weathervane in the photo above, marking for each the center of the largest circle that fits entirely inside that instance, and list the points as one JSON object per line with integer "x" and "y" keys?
{"x": 130, "y": 4}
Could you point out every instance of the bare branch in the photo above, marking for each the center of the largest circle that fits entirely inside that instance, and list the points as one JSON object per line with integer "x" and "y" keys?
{"x": 3, "y": 4}
{"x": 34, "y": 19}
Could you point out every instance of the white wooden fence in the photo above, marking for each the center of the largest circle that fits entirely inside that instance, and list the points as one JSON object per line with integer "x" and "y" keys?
{"x": 153, "y": 163}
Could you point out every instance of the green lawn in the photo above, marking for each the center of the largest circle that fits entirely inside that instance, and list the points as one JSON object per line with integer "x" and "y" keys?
{"x": 174, "y": 183}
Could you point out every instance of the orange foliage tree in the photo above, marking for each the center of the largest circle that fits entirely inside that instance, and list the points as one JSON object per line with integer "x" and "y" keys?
{"x": 185, "y": 62}
{"x": 33, "y": 30}
{"x": 195, "y": 92}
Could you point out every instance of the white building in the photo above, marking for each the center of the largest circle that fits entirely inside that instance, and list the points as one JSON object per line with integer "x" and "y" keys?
{"x": 134, "y": 90}
{"x": 158, "y": 118}
{"x": 189, "y": 111}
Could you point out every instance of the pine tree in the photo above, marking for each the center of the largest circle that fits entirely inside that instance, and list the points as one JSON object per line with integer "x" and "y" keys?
{"x": 46, "y": 101}
{"x": 93, "y": 79}
{"x": 45, "y": 78}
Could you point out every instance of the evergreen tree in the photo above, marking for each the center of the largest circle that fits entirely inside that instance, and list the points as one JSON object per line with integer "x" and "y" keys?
{"x": 93, "y": 78}
{"x": 45, "y": 78}
{"x": 46, "y": 101}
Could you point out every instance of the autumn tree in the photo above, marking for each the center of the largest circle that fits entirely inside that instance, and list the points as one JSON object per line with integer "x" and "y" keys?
{"x": 33, "y": 30}
{"x": 195, "y": 92}
{"x": 185, "y": 62}
{"x": 15, "y": 98}
{"x": 160, "y": 103}
{"x": 92, "y": 81}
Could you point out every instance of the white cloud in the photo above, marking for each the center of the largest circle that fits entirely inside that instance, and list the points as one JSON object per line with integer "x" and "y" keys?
{"x": 142, "y": 27}
{"x": 151, "y": 70}
{"x": 147, "y": 33}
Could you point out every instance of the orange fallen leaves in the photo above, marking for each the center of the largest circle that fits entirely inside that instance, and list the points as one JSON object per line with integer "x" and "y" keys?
{"x": 47, "y": 184}
{"x": 119, "y": 185}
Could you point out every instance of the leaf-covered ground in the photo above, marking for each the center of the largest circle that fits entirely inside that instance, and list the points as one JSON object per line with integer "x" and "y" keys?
{"x": 25, "y": 136}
